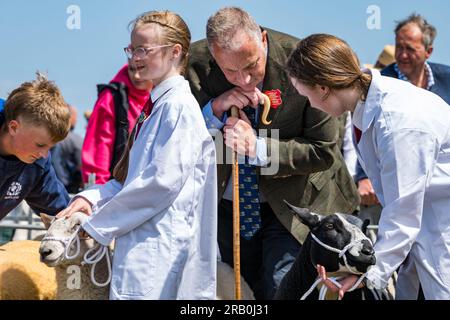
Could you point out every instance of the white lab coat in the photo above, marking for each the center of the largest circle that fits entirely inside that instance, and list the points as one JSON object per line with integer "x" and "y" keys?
{"x": 405, "y": 151}
{"x": 164, "y": 217}
{"x": 348, "y": 148}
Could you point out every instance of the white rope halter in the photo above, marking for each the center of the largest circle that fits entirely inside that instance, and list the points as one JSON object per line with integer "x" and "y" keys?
{"x": 324, "y": 289}
{"x": 92, "y": 256}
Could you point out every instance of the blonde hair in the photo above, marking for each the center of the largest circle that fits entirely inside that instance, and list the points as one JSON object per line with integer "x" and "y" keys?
{"x": 40, "y": 103}
{"x": 174, "y": 31}
{"x": 326, "y": 60}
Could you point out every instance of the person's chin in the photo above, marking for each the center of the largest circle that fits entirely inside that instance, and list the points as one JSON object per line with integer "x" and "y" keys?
{"x": 248, "y": 88}
{"x": 140, "y": 84}
{"x": 135, "y": 77}
{"x": 404, "y": 67}
{"x": 29, "y": 160}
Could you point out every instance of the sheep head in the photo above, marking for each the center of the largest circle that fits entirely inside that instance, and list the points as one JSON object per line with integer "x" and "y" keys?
{"x": 54, "y": 244}
{"x": 337, "y": 231}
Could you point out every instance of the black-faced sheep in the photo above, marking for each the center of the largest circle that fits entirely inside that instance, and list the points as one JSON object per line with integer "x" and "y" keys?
{"x": 353, "y": 254}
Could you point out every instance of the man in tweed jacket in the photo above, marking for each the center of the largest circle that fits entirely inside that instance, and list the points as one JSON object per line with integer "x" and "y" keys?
{"x": 238, "y": 61}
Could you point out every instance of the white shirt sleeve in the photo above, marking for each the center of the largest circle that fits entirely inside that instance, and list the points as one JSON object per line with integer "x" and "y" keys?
{"x": 261, "y": 158}
{"x": 348, "y": 147}
{"x": 406, "y": 160}
{"x": 98, "y": 194}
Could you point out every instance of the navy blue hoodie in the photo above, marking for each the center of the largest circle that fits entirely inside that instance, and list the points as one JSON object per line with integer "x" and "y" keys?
{"x": 35, "y": 183}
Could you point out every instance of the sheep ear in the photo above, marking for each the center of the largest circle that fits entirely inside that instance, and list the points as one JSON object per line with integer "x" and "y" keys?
{"x": 46, "y": 219}
{"x": 365, "y": 225}
{"x": 78, "y": 218}
{"x": 308, "y": 218}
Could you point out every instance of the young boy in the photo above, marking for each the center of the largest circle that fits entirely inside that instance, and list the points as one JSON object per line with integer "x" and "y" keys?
{"x": 32, "y": 120}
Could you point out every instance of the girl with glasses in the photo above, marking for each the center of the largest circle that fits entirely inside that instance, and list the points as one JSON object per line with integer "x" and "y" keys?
{"x": 161, "y": 206}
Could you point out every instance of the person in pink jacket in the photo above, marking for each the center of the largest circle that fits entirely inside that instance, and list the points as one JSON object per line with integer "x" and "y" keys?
{"x": 101, "y": 149}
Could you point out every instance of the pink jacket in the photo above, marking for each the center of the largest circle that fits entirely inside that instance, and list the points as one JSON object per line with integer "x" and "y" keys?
{"x": 98, "y": 143}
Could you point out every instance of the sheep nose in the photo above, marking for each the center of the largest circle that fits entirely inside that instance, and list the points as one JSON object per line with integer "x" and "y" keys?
{"x": 45, "y": 253}
{"x": 367, "y": 248}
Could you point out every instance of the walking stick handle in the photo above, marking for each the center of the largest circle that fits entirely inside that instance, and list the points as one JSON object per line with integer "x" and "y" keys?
{"x": 236, "y": 217}
{"x": 266, "y": 109}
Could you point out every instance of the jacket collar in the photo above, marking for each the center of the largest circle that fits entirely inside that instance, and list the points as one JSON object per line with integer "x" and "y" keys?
{"x": 365, "y": 111}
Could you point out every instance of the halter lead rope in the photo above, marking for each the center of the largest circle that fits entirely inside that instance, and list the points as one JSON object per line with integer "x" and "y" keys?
{"x": 324, "y": 289}
{"x": 91, "y": 256}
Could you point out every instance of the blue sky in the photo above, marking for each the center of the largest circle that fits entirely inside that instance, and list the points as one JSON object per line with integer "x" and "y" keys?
{"x": 34, "y": 34}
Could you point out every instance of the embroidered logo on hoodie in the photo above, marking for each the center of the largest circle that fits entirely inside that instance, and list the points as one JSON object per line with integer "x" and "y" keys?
{"x": 13, "y": 191}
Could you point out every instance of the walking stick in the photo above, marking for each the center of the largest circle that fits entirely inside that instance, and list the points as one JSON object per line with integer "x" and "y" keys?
{"x": 236, "y": 216}
{"x": 236, "y": 211}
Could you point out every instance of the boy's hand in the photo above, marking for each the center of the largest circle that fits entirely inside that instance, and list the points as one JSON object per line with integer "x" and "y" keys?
{"x": 80, "y": 204}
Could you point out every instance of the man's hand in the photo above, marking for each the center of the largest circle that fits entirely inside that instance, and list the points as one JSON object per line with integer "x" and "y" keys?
{"x": 367, "y": 193}
{"x": 80, "y": 204}
{"x": 236, "y": 97}
{"x": 239, "y": 135}
{"x": 346, "y": 283}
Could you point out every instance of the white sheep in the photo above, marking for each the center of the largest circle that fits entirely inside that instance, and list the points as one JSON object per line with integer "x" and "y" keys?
{"x": 53, "y": 250}
{"x": 22, "y": 275}
{"x": 72, "y": 276}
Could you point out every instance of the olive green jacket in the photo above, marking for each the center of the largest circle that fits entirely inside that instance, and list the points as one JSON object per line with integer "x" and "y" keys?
{"x": 312, "y": 172}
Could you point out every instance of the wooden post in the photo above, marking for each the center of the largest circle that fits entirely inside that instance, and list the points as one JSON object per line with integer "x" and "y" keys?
{"x": 236, "y": 211}
{"x": 236, "y": 218}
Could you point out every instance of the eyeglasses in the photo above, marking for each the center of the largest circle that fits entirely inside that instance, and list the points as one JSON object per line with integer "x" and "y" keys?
{"x": 142, "y": 52}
